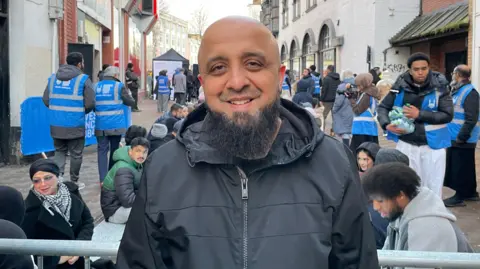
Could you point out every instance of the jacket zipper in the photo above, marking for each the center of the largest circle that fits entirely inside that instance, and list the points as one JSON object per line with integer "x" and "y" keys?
{"x": 244, "y": 182}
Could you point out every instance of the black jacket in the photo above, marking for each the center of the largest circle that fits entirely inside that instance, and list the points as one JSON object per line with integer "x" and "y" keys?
{"x": 329, "y": 87}
{"x": 414, "y": 95}
{"x": 303, "y": 210}
{"x": 306, "y": 84}
{"x": 40, "y": 224}
{"x": 471, "y": 107}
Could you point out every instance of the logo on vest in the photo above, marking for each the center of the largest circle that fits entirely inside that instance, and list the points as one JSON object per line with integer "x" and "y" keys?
{"x": 431, "y": 104}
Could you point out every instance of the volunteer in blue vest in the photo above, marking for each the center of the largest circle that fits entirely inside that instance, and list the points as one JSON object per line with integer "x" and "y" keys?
{"x": 286, "y": 85}
{"x": 464, "y": 131}
{"x": 317, "y": 77}
{"x": 162, "y": 88}
{"x": 69, "y": 95}
{"x": 364, "y": 103}
{"x": 425, "y": 98}
{"x": 111, "y": 98}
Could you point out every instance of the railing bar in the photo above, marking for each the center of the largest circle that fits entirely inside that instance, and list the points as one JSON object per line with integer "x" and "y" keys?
{"x": 40, "y": 262}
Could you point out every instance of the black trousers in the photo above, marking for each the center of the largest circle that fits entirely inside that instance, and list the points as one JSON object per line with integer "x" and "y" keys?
{"x": 135, "y": 97}
{"x": 460, "y": 174}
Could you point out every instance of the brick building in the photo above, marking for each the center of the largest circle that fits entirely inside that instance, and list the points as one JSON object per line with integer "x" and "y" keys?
{"x": 441, "y": 31}
{"x": 35, "y": 41}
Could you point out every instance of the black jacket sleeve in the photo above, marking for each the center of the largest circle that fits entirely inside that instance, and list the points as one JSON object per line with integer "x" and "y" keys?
{"x": 138, "y": 248}
{"x": 124, "y": 189}
{"x": 46, "y": 96}
{"x": 127, "y": 97}
{"x": 384, "y": 108}
{"x": 311, "y": 87}
{"x": 353, "y": 241}
{"x": 443, "y": 115}
{"x": 86, "y": 230}
{"x": 89, "y": 96}
{"x": 325, "y": 87}
{"x": 471, "y": 106}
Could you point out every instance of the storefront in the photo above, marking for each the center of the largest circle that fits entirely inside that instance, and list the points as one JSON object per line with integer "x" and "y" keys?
{"x": 327, "y": 53}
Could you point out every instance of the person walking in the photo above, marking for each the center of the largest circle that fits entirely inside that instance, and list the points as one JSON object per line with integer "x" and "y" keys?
{"x": 180, "y": 87}
{"x": 272, "y": 190}
{"x": 460, "y": 174}
{"x": 162, "y": 88}
{"x": 69, "y": 96}
{"x": 424, "y": 97}
{"x": 132, "y": 83}
{"x": 328, "y": 93}
{"x": 110, "y": 123}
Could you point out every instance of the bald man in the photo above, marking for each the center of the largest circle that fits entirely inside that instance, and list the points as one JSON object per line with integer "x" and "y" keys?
{"x": 460, "y": 172}
{"x": 250, "y": 181}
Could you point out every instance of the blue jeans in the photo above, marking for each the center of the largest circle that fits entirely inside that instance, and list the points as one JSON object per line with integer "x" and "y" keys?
{"x": 104, "y": 145}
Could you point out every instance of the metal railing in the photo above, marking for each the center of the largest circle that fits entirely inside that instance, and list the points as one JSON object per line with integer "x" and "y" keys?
{"x": 101, "y": 249}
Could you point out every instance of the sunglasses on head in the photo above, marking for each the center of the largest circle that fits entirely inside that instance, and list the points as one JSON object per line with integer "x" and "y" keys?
{"x": 45, "y": 179}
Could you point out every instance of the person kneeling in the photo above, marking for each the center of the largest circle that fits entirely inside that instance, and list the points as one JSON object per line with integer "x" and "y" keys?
{"x": 121, "y": 183}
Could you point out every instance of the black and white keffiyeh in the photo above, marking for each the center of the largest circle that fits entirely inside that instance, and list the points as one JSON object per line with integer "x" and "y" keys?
{"x": 61, "y": 202}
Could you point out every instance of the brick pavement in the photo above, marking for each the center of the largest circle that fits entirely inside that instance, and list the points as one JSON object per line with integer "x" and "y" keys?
{"x": 17, "y": 177}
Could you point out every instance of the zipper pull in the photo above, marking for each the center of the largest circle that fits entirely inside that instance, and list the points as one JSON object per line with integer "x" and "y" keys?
{"x": 244, "y": 181}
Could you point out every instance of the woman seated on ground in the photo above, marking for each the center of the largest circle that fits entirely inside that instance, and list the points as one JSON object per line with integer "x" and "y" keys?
{"x": 56, "y": 211}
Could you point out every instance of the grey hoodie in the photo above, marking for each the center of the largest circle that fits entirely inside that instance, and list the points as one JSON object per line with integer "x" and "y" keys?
{"x": 65, "y": 73}
{"x": 426, "y": 225}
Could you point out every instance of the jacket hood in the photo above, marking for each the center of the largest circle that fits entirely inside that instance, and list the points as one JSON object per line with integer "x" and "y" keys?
{"x": 426, "y": 204}
{"x": 121, "y": 154}
{"x": 12, "y": 206}
{"x": 67, "y": 72}
{"x": 371, "y": 147}
{"x": 298, "y": 136}
{"x": 386, "y": 155}
{"x": 435, "y": 80}
{"x": 334, "y": 75}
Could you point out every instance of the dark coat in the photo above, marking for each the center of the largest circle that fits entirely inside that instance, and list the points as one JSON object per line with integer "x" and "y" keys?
{"x": 329, "y": 87}
{"x": 40, "y": 224}
{"x": 414, "y": 95}
{"x": 301, "y": 209}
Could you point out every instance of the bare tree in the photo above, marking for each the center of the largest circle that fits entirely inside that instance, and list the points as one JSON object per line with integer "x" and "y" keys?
{"x": 199, "y": 21}
{"x": 162, "y": 7}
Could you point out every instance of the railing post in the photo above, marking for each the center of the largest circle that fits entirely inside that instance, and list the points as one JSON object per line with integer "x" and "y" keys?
{"x": 87, "y": 262}
{"x": 40, "y": 262}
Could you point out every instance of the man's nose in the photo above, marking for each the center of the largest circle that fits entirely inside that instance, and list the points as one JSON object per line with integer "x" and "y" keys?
{"x": 237, "y": 79}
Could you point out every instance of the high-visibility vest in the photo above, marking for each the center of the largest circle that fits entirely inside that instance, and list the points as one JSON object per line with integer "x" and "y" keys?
{"x": 163, "y": 85}
{"x": 365, "y": 124}
{"x": 66, "y": 105}
{"x": 109, "y": 108}
{"x": 459, "y": 115}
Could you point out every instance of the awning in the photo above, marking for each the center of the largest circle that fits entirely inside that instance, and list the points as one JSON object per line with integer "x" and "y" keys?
{"x": 451, "y": 20}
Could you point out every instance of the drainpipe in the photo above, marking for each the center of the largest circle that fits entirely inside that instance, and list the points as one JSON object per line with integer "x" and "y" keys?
{"x": 385, "y": 56}
{"x": 54, "y": 45}
{"x": 121, "y": 56}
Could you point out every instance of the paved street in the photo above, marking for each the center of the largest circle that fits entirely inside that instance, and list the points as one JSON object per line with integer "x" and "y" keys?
{"x": 17, "y": 177}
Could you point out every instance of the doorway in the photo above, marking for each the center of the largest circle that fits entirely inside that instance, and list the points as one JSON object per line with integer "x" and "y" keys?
{"x": 4, "y": 85}
{"x": 452, "y": 60}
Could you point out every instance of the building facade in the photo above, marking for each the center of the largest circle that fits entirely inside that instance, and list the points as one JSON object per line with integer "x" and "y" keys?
{"x": 44, "y": 32}
{"x": 170, "y": 33}
{"x": 194, "y": 41}
{"x": 349, "y": 34}
{"x": 475, "y": 41}
{"x": 269, "y": 15}
{"x": 254, "y": 9}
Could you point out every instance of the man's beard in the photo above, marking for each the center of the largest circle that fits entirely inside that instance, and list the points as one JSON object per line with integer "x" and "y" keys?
{"x": 246, "y": 136}
{"x": 395, "y": 213}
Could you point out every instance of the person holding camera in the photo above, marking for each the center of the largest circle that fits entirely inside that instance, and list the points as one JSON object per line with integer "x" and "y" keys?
{"x": 364, "y": 100}
{"x": 342, "y": 113}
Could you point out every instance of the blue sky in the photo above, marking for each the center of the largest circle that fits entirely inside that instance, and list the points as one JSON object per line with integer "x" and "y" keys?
{"x": 216, "y": 8}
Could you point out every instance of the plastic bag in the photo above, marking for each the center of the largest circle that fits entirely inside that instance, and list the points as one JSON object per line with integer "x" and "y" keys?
{"x": 398, "y": 119}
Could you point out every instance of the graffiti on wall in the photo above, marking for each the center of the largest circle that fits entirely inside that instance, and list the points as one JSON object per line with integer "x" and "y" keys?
{"x": 397, "y": 68}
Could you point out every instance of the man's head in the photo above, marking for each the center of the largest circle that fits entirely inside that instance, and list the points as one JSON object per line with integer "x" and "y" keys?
{"x": 130, "y": 66}
{"x": 105, "y": 66}
{"x": 112, "y": 71}
{"x": 133, "y": 132}
{"x": 461, "y": 73}
{"x": 241, "y": 74}
{"x": 330, "y": 68}
{"x": 306, "y": 72}
{"x": 176, "y": 110}
{"x": 138, "y": 150}
{"x": 391, "y": 186}
{"x": 75, "y": 59}
{"x": 313, "y": 68}
{"x": 419, "y": 66}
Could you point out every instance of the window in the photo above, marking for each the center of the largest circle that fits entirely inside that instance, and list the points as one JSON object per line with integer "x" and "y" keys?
{"x": 327, "y": 53}
{"x": 308, "y": 57}
{"x": 285, "y": 13}
{"x": 311, "y": 4}
{"x": 294, "y": 60}
{"x": 283, "y": 56}
{"x": 296, "y": 9}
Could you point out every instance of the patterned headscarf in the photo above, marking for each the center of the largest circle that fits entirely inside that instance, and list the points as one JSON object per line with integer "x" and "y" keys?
{"x": 61, "y": 201}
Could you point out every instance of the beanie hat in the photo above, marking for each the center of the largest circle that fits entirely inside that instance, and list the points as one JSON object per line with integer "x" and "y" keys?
{"x": 44, "y": 165}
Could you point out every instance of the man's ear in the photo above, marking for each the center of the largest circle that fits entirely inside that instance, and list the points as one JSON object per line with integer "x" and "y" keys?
{"x": 200, "y": 79}
{"x": 281, "y": 74}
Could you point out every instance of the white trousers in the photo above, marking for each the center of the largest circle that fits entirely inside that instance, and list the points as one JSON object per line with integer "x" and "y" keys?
{"x": 120, "y": 216}
{"x": 429, "y": 164}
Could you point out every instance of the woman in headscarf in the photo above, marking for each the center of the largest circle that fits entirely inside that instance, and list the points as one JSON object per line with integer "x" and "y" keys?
{"x": 364, "y": 106}
{"x": 54, "y": 211}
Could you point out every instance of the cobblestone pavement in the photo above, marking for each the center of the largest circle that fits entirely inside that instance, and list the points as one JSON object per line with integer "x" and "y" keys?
{"x": 17, "y": 177}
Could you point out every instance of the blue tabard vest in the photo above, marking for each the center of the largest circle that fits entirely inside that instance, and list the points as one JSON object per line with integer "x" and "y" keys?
{"x": 66, "y": 106}
{"x": 317, "y": 84}
{"x": 459, "y": 115}
{"x": 163, "y": 85}
{"x": 365, "y": 124}
{"x": 284, "y": 84}
{"x": 437, "y": 135}
{"x": 109, "y": 108}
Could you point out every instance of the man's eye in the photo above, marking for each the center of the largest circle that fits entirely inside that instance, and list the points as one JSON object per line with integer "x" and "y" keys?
{"x": 217, "y": 68}
{"x": 252, "y": 64}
